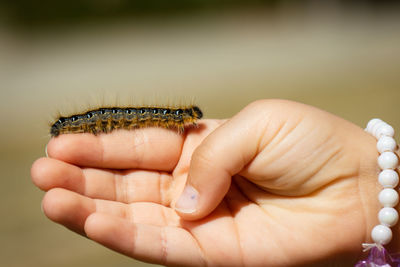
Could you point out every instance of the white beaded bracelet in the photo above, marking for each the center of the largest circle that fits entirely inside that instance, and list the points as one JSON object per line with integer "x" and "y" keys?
{"x": 388, "y": 178}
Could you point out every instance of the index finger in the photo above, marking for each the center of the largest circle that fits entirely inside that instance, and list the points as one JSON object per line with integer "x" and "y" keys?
{"x": 147, "y": 148}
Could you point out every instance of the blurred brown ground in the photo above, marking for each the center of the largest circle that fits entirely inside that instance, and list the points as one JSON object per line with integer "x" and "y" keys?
{"x": 344, "y": 60}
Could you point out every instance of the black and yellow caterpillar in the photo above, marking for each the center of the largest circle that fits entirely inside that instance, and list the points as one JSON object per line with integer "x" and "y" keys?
{"x": 105, "y": 120}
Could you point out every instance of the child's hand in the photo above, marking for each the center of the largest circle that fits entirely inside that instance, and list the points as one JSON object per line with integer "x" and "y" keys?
{"x": 279, "y": 184}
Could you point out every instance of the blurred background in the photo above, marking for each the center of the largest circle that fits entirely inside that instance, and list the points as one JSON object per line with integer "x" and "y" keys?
{"x": 61, "y": 56}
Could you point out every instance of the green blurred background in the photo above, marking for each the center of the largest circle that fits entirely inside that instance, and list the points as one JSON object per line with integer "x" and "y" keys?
{"x": 341, "y": 56}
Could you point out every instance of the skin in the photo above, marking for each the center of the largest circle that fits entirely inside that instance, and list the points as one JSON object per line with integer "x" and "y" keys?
{"x": 280, "y": 184}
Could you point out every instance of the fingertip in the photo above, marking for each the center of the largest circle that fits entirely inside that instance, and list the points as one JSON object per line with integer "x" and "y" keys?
{"x": 67, "y": 208}
{"x": 92, "y": 225}
{"x": 188, "y": 201}
{"x": 36, "y": 169}
{"x": 112, "y": 232}
{"x": 194, "y": 204}
{"x": 52, "y": 146}
{"x": 55, "y": 146}
{"x": 39, "y": 170}
{"x": 53, "y": 204}
{"x": 69, "y": 148}
{"x": 97, "y": 224}
{"x": 47, "y": 173}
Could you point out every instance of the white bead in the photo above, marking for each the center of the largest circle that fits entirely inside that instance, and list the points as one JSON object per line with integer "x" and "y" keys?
{"x": 381, "y": 234}
{"x": 371, "y": 124}
{"x": 388, "y": 178}
{"x": 388, "y": 216}
{"x": 388, "y": 197}
{"x": 376, "y": 126}
{"x": 388, "y": 160}
{"x": 385, "y": 129}
{"x": 386, "y": 143}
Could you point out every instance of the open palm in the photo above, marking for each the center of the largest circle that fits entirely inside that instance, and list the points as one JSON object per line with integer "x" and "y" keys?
{"x": 280, "y": 184}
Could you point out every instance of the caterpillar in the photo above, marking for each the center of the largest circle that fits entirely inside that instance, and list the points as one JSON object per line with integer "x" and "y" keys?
{"x": 105, "y": 120}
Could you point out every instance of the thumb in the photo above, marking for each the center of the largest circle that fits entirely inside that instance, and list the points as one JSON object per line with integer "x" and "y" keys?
{"x": 224, "y": 153}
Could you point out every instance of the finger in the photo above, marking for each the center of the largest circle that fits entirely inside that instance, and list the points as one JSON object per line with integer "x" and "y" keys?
{"x": 71, "y": 210}
{"x": 147, "y": 148}
{"x": 126, "y": 186}
{"x": 47, "y": 173}
{"x": 162, "y": 245}
{"x": 222, "y": 154}
{"x": 67, "y": 208}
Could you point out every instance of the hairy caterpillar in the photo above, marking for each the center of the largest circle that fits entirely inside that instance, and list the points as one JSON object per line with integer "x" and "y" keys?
{"x": 105, "y": 120}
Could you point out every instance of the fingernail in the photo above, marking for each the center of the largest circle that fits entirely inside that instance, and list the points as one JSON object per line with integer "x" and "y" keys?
{"x": 187, "y": 202}
{"x": 45, "y": 151}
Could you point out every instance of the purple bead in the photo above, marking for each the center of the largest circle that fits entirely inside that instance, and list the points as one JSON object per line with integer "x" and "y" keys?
{"x": 380, "y": 258}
